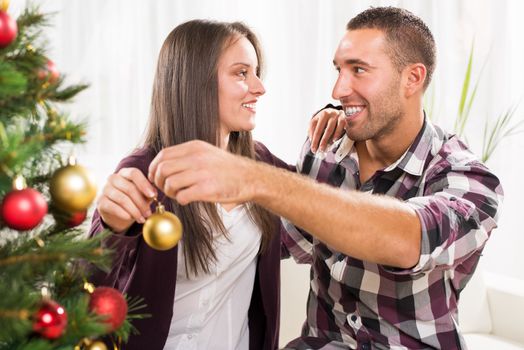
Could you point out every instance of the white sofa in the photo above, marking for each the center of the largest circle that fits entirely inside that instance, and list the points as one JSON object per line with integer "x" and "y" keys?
{"x": 491, "y": 310}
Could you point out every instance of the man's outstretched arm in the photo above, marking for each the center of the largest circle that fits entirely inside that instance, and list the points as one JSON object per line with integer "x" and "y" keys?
{"x": 368, "y": 227}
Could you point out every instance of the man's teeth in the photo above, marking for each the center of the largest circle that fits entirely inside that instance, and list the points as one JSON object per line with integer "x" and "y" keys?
{"x": 352, "y": 110}
{"x": 249, "y": 105}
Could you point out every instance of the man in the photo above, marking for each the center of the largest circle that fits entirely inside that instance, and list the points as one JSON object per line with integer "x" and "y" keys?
{"x": 397, "y": 229}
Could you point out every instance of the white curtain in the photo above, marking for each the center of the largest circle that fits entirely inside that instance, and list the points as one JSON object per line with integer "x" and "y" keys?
{"x": 113, "y": 45}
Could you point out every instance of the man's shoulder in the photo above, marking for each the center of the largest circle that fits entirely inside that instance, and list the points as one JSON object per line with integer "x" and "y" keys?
{"x": 449, "y": 150}
{"x": 454, "y": 161}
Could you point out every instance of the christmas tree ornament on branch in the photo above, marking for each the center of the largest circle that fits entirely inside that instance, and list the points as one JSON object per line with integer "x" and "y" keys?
{"x": 8, "y": 26}
{"x": 23, "y": 208}
{"x": 31, "y": 130}
{"x": 68, "y": 219}
{"x": 49, "y": 73}
{"x": 50, "y": 320}
{"x": 4, "y": 5}
{"x": 111, "y": 305}
{"x": 72, "y": 188}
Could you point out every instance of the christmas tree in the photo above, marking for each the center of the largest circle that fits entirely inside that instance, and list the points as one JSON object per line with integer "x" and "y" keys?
{"x": 46, "y": 300}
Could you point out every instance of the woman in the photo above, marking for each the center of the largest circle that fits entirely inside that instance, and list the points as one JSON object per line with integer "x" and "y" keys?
{"x": 219, "y": 287}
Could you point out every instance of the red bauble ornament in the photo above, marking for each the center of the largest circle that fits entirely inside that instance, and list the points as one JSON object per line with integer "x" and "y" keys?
{"x": 69, "y": 219}
{"x": 111, "y": 305}
{"x": 76, "y": 218}
{"x": 50, "y": 320}
{"x": 49, "y": 72}
{"x": 23, "y": 209}
{"x": 8, "y": 29}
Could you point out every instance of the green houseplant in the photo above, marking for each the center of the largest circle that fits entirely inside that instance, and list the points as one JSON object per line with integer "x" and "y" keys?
{"x": 505, "y": 125}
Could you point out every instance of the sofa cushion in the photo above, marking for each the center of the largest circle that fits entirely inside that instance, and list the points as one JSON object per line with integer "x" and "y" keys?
{"x": 474, "y": 314}
{"x": 476, "y": 341}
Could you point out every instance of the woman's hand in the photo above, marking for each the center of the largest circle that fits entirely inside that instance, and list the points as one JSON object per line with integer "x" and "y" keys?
{"x": 326, "y": 127}
{"x": 126, "y": 198}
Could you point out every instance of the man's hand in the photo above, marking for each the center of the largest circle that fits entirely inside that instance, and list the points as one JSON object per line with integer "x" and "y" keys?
{"x": 125, "y": 199}
{"x": 198, "y": 171}
{"x": 326, "y": 127}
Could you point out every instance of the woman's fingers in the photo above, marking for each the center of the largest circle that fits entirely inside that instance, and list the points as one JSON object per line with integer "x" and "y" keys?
{"x": 126, "y": 198}
{"x": 125, "y": 202}
{"x": 327, "y": 134}
{"x": 322, "y": 127}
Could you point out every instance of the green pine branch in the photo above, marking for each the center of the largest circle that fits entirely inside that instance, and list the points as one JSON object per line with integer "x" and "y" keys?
{"x": 32, "y": 132}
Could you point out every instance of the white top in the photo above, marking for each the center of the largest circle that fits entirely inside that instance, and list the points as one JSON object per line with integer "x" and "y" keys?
{"x": 210, "y": 312}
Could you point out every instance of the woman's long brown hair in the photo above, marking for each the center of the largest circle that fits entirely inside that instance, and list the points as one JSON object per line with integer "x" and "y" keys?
{"x": 184, "y": 107}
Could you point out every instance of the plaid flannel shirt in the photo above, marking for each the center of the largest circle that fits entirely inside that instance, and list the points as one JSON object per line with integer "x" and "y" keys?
{"x": 358, "y": 304}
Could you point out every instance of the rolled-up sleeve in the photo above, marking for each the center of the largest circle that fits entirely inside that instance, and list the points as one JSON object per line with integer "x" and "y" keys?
{"x": 296, "y": 243}
{"x": 457, "y": 213}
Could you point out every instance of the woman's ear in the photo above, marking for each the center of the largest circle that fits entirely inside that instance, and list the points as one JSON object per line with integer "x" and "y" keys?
{"x": 415, "y": 79}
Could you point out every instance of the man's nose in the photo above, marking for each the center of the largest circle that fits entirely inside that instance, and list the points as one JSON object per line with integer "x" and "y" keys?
{"x": 343, "y": 87}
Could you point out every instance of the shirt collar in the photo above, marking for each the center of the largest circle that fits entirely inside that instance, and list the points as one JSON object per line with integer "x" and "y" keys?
{"x": 413, "y": 160}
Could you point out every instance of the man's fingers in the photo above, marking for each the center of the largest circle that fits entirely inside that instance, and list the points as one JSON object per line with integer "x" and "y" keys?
{"x": 191, "y": 194}
{"x": 176, "y": 152}
{"x": 171, "y": 167}
{"x": 177, "y": 182}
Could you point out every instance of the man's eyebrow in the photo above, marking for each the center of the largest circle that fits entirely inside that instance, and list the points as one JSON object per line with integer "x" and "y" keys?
{"x": 354, "y": 61}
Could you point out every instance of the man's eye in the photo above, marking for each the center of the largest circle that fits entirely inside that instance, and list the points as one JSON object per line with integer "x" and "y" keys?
{"x": 359, "y": 70}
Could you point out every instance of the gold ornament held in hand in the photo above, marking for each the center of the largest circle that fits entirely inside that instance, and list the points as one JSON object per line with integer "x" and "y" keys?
{"x": 72, "y": 188}
{"x": 162, "y": 230}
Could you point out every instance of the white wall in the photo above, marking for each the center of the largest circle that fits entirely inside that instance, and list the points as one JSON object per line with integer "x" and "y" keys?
{"x": 113, "y": 44}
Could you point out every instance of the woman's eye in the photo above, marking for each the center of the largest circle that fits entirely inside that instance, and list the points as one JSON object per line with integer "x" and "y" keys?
{"x": 243, "y": 73}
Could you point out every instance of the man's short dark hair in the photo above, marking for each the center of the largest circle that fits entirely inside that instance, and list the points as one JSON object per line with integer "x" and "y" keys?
{"x": 409, "y": 38}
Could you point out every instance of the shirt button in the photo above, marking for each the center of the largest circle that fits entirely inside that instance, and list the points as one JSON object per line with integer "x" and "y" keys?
{"x": 190, "y": 336}
{"x": 354, "y": 318}
{"x": 365, "y": 346}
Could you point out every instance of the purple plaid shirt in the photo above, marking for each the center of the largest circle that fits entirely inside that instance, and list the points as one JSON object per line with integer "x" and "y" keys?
{"x": 358, "y": 304}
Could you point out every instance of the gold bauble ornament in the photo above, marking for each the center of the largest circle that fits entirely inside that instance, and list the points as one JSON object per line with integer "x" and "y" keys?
{"x": 162, "y": 230}
{"x": 96, "y": 345}
{"x": 4, "y": 5}
{"x": 72, "y": 188}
